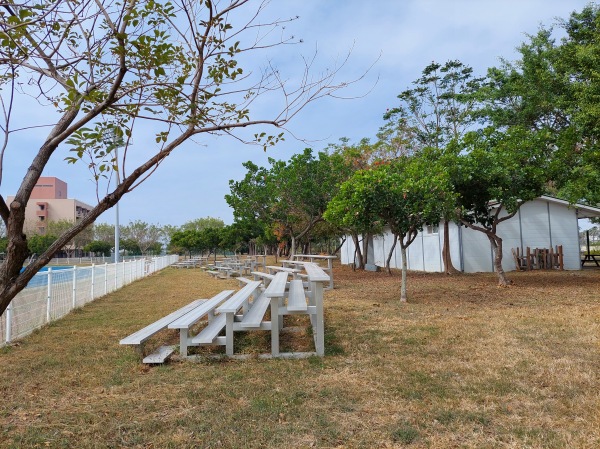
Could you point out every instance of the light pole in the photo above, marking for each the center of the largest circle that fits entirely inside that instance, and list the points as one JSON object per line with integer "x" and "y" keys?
{"x": 117, "y": 232}
{"x": 114, "y": 141}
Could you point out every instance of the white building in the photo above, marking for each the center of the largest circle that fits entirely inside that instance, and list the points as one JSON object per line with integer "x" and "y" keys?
{"x": 545, "y": 222}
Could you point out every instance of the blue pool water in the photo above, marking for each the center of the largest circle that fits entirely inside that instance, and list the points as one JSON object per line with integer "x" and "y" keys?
{"x": 41, "y": 279}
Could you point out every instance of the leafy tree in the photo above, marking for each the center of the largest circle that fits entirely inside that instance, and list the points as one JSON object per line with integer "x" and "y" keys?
{"x": 144, "y": 234}
{"x": 166, "y": 235}
{"x": 155, "y": 249}
{"x": 38, "y": 244}
{"x": 288, "y": 198}
{"x": 251, "y": 199}
{"x": 359, "y": 156}
{"x": 103, "y": 69}
{"x": 210, "y": 239}
{"x": 78, "y": 241}
{"x": 98, "y": 247}
{"x": 131, "y": 246}
{"x": 236, "y": 237}
{"x": 354, "y": 210}
{"x": 405, "y": 195}
{"x": 200, "y": 224}
{"x": 495, "y": 173}
{"x": 439, "y": 108}
{"x": 105, "y": 232}
{"x": 189, "y": 240}
{"x": 554, "y": 85}
{"x": 303, "y": 187}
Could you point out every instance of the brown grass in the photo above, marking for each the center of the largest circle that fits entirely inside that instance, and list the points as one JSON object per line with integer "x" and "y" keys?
{"x": 463, "y": 364}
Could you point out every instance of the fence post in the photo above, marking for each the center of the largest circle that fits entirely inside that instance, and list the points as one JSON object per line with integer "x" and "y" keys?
{"x": 105, "y": 278}
{"x": 93, "y": 282}
{"x": 74, "y": 286}
{"x": 123, "y": 273}
{"x": 9, "y": 312}
{"x": 49, "y": 297}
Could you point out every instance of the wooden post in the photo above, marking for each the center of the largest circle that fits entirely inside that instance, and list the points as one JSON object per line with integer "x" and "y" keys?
{"x": 528, "y": 258}
{"x": 552, "y": 264}
{"x": 561, "y": 259}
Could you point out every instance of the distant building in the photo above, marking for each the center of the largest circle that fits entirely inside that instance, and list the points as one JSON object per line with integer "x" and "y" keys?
{"x": 49, "y": 202}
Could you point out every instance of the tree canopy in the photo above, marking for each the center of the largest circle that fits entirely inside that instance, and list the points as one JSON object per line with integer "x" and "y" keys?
{"x": 554, "y": 86}
{"x": 104, "y": 71}
{"x": 289, "y": 197}
{"x": 403, "y": 195}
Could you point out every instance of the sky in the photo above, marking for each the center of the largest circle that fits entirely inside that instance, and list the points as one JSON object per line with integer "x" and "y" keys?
{"x": 389, "y": 43}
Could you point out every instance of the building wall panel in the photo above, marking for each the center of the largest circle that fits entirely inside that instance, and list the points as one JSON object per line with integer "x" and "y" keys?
{"x": 563, "y": 221}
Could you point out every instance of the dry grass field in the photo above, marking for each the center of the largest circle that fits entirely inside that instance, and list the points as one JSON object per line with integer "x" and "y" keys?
{"x": 464, "y": 364}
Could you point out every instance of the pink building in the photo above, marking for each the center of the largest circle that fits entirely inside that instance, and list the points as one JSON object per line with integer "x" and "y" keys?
{"x": 49, "y": 187}
{"x": 49, "y": 202}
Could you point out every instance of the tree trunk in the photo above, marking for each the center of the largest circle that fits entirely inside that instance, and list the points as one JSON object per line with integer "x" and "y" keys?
{"x": 357, "y": 253}
{"x": 403, "y": 297}
{"x": 293, "y": 249}
{"x": 389, "y": 258}
{"x": 306, "y": 248}
{"x": 365, "y": 250}
{"x": 496, "y": 243}
{"x": 338, "y": 248}
{"x": 446, "y": 257}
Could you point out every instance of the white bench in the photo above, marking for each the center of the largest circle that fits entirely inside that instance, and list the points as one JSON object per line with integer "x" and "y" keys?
{"x": 243, "y": 281}
{"x": 266, "y": 277}
{"x": 224, "y": 270}
{"x": 185, "y": 322}
{"x": 139, "y": 338}
{"x": 254, "y": 317}
{"x": 315, "y": 257}
{"x": 317, "y": 277}
{"x": 241, "y": 300}
{"x": 276, "y": 293}
{"x": 210, "y": 334}
{"x": 296, "y": 297}
{"x": 286, "y": 269}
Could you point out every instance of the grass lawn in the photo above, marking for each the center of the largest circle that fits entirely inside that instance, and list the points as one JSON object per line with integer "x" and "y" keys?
{"x": 464, "y": 364}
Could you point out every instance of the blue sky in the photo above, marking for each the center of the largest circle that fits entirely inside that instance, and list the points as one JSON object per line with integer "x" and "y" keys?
{"x": 403, "y": 36}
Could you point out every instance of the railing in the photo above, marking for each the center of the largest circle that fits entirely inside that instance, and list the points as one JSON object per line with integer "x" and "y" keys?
{"x": 52, "y": 294}
{"x": 90, "y": 260}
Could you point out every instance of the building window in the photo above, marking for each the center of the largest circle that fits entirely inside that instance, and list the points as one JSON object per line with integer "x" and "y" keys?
{"x": 433, "y": 229}
{"x": 42, "y": 218}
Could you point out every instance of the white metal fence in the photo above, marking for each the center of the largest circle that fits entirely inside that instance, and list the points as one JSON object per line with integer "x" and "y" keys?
{"x": 52, "y": 294}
